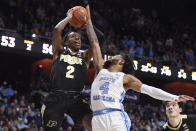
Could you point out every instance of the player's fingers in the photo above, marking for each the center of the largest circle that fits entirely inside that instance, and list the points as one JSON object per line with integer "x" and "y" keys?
{"x": 181, "y": 98}
{"x": 71, "y": 10}
{"x": 189, "y": 98}
{"x": 88, "y": 11}
{"x": 68, "y": 11}
{"x": 186, "y": 98}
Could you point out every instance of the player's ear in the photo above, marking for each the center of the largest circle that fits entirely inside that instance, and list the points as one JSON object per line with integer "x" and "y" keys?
{"x": 121, "y": 62}
{"x": 180, "y": 109}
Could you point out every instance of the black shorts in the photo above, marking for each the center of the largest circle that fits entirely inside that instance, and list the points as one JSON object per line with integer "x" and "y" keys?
{"x": 56, "y": 105}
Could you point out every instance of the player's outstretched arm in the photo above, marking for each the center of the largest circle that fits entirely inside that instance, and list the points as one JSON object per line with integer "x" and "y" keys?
{"x": 135, "y": 84}
{"x": 56, "y": 35}
{"x": 96, "y": 51}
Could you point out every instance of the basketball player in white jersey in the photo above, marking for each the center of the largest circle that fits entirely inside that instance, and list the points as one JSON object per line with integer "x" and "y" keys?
{"x": 109, "y": 87}
{"x": 108, "y": 91}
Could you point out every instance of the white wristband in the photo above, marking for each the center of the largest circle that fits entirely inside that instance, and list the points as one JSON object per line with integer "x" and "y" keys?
{"x": 158, "y": 93}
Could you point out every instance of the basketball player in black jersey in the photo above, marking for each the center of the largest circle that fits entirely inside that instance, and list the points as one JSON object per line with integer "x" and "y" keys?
{"x": 177, "y": 121}
{"x": 67, "y": 77}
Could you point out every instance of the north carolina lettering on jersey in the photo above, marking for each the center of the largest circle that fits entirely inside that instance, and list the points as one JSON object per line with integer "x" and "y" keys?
{"x": 104, "y": 98}
{"x": 107, "y": 79}
{"x": 70, "y": 59}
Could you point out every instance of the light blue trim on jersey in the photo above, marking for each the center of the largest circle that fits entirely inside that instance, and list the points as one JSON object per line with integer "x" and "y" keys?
{"x": 105, "y": 111}
{"x": 127, "y": 119}
{"x": 122, "y": 97}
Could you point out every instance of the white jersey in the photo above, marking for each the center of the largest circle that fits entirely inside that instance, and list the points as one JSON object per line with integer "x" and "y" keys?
{"x": 107, "y": 90}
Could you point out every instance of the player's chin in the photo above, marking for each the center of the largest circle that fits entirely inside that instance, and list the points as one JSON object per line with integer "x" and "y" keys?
{"x": 172, "y": 114}
{"x": 77, "y": 48}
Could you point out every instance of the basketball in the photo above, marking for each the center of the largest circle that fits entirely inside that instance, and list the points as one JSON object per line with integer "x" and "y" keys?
{"x": 79, "y": 17}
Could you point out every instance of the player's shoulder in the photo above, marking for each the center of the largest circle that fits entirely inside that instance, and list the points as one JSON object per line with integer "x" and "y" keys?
{"x": 103, "y": 71}
{"x": 184, "y": 116}
{"x": 167, "y": 127}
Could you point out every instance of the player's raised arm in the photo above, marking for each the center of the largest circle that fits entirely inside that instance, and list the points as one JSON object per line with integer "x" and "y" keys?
{"x": 97, "y": 56}
{"x": 56, "y": 35}
{"x": 131, "y": 82}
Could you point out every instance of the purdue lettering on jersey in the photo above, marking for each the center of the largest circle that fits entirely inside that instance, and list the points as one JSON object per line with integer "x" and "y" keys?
{"x": 70, "y": 59}
{"x": 68, "y": 71}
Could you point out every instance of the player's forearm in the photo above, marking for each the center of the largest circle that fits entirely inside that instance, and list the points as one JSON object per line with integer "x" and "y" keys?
{"x": 97, "y": 56}
{"x": 158, "y": 93}
{"x": 90, "y": 30}
{"x": 61, "y": 25}
{"x": 91, "y": 34}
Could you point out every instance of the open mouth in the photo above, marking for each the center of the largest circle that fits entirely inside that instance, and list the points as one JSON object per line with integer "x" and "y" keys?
{"x": 77, "y": 43}
{"x": 170, "y": 112}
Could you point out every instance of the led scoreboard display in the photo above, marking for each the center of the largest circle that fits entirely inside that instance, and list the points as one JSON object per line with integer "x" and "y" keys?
{"x": 165, "y": 71}
{"x": 162, "y": 71}
{"x": 25, "y": 45}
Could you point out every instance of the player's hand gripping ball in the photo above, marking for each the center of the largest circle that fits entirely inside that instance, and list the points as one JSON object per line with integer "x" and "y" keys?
{"x": 79, "y": 17}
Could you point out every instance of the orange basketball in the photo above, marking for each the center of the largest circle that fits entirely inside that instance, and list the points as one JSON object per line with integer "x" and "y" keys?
{"x": 79, "y": 17}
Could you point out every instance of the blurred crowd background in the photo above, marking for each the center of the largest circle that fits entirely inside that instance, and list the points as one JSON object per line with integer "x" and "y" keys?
{"x": 143, "y": 34}
{"x": 20, "y": 111}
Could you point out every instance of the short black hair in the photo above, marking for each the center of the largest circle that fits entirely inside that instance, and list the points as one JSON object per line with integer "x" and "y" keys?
{"x": 66, "y": 36}
{"x": 128, "y": 67}
{"x": 180, "y": 104}
{"x": 109, "y": 63}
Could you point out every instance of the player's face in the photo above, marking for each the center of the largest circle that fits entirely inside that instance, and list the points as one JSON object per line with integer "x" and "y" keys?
{"x": 114, "y": 61}
{"x": 172, "y": 109}
{"x": 74, "y": 41}
{"x": 118, "y": 58}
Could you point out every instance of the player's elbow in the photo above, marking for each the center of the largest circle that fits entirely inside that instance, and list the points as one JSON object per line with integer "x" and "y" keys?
{"x": 95, "y": 45}
{"x": 98, "y": 64}
{"x": 56, "y": 33}
{"x": 136, "y": 86}
{"x": 55, "y": 30}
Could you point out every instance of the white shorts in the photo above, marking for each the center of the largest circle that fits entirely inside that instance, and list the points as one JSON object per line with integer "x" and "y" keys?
{"x": 113, "y": 121}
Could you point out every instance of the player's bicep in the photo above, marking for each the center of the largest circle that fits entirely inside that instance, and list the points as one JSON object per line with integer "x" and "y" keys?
{"x": 131, "y": 82}
{"x": 56, "y": 42}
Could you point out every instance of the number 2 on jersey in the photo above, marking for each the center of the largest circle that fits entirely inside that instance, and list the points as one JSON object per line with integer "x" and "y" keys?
{"x": 104, "y": 87}
{"x": 69, "y": 74}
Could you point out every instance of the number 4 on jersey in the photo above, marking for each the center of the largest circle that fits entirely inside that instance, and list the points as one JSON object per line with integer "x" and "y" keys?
{"x": 105, "y": 88}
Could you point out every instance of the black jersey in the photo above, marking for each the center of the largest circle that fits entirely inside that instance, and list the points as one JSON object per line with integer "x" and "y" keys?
{"x": 68, "y": 71}
{"x": 187, "y": 123}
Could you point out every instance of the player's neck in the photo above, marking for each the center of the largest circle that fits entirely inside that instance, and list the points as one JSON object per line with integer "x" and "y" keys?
{"x": 72, "y": 51}
{"x": 114, "y": 69}
{"x": 174, "y": 121}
